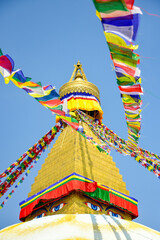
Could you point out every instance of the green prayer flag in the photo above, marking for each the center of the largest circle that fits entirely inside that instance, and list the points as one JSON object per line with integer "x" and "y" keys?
{"x": 100, "y": 149}
{"x": 110, "y": 6}
{"x": 125, "y": 81}
{"x": 74, "y": 120}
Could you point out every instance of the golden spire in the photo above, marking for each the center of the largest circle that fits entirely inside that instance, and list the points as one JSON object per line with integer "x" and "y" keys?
{"x": 76, "y": 71}
{"x": 78, "y": 76}
{"x": 79, "y": 83}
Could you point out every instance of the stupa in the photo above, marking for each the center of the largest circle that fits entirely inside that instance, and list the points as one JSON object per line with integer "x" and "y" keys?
{"x": 79, "y": 192}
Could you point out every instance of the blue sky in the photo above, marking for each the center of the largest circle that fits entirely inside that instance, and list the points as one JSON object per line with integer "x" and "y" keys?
{"x": 45, "y": 39}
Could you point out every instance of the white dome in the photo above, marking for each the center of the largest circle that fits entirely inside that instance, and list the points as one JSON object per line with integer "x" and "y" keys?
{"x": 78, "y": 226}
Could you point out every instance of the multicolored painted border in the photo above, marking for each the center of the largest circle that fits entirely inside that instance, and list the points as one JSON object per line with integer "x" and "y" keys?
{"x": 73, "y": 176}
{"x": 79, "y": 95}
{"x": 76, "y": 182}
{"x": 83, "y": 101}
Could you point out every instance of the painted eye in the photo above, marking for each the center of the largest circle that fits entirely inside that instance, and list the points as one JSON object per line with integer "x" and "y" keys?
{"x": 114, "y": 214}
{"x": 92, "y": 206}
{"x": 58, "y": 207}
{"x": 40, "y": 215}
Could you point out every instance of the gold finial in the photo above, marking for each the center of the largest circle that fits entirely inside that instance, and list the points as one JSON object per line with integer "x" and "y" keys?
{"x": 78, "y": 75}
{"x": 79, "y": 83}
{"x": 78, "y": 70}
{"x": 78, "y": 63}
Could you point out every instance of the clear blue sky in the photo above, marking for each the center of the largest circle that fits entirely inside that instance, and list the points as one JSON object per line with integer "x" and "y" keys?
{"x": 45, "y": 38}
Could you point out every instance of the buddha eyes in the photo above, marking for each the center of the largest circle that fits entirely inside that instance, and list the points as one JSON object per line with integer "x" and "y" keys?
{"x": 58, "y": 207}
{"x": 93, "y": 206}
{"x": 88, "y": 204}
{"x": 52, "y": 209}
{"x": 114, "y": 214}
{"x": 40, "y": 215}
{"x": 97, "y": 208}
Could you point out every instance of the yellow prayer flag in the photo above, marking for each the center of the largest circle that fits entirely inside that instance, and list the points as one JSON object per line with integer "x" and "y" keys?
{"x": 98, "y": 15}
{"x": 115, "y": 39}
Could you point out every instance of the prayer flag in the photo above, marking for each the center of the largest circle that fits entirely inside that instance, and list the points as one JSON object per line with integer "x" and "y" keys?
{"x": 126, "y": 26}
{"x": 7, "y": 63}
{"x": 108, "y": 6}
{"x": 134, "y": 90}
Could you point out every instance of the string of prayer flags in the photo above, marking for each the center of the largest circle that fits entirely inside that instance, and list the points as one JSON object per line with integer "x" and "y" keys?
{"x": 46, "y": 95}
{"x": 21, "y": 181}
{"x": 102, "y": 148}
{"x": 18, "y": 78}
{"x": 36, "y": 148}
{"x": 68, "y": 119}
{"x": 51, "y": 101}
{"x": 147, "y": 159}
{"x": 120, "y": 21}
{"x": 23, "y": 163}
{"x": 106, "y": 135}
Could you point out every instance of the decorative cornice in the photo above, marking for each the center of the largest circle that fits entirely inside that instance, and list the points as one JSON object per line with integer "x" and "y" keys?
{"x": 79, "y": 86}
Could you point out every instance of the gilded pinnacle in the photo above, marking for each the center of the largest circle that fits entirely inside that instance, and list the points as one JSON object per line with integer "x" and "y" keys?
{"x": 78, "y": 76}
{"x": 78, "y": 64}
{"x": 79, "y": 83}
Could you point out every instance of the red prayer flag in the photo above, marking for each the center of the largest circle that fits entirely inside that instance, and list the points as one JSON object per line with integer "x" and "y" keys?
{"x": 5, "y": 63}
